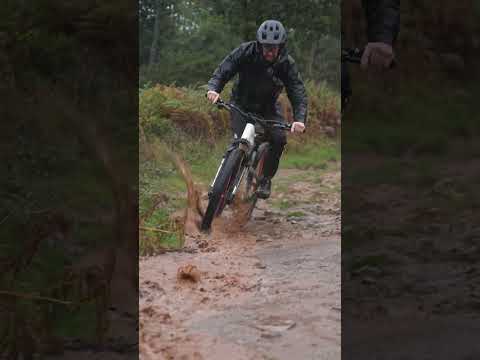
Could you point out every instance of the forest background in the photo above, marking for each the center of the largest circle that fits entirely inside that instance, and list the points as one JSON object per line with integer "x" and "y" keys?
{"x": 181, "y": 43}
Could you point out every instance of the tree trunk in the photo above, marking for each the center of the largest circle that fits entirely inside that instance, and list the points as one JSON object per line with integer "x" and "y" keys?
{"x": 245, "y": 33}
{"x": 311, "y": 60}
{"x": 156, "y": 33}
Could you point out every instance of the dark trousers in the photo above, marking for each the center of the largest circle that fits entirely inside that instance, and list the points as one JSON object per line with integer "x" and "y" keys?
{"x": 276, "y": 137}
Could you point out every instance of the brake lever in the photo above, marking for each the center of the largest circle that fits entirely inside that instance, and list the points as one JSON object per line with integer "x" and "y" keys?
{"x": 221, "y": 104}
{"x": 282, "y": 126}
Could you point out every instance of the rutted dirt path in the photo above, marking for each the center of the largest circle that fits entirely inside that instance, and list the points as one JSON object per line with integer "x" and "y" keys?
{"x": 268, "y": 291}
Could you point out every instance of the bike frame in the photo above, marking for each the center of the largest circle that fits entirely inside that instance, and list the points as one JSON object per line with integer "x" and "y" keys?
{"x": 247, "y": 142}
{"x": 238, "y": 161}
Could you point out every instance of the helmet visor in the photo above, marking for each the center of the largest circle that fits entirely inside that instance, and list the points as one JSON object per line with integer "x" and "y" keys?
{"x": 270, "y": 47}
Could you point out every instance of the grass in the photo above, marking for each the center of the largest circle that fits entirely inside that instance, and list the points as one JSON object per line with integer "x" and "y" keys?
{"x": 203, "y": 161}
{"x": 151, "y": 243}
{"x": 167, "y": 237}
{"x": 296, "y": 214}
{"x": 76, "y": 191}
{"x": 284, "y": 204}
{"x": 334, "y": 189}
{"x": 160, "y": 175}
{"x": 421, "y": 121}
{"x": 418, "y": 117}
{"x": 169, "y": 117}
{"x": 408, "y": 140}
{"x": 280, "y": 186}
{"x": 316, "y": 155}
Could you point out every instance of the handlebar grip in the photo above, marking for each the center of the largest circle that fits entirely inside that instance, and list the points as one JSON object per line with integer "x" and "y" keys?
{"x": 219, "y": 101}
{"x": 355, "y": 56}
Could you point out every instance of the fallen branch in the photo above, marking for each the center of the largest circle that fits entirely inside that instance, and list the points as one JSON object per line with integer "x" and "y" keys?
{"x": 156, "y": 230}
{"x": 34, "y": 297}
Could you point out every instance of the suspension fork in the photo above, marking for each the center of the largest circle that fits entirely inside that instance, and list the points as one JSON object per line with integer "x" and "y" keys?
{"x": 218, "y": 172}
{"x": 231, "y": 147}
{"x": 242, "y": 147}
{"x": 245, "y": 167}
{"x": 244, "y": 171}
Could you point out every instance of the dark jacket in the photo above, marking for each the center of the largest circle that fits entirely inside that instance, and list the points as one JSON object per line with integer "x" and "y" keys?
{"x": 259, "y": 83}
{"x": 383, "y": 20}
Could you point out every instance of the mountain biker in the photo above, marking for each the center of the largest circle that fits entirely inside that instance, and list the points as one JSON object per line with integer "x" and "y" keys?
{"x": 383, "y": 21}
{"x": 265, "y": 68}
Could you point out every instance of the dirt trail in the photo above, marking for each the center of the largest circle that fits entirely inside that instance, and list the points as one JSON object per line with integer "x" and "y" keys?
{"x": 269, "y": 291}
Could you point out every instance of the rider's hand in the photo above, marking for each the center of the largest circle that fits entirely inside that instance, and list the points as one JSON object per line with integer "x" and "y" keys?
{"x": 213, "y": 96}
{"x": 298, "y": 126}
{"x": 378, "y": 54}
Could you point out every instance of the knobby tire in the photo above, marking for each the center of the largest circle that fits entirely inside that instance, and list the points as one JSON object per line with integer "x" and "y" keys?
{"x": 254, "y": 179}
{"x": 222, "y": 187}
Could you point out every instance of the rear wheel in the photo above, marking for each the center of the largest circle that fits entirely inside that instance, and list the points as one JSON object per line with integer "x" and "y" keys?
{"x": 254, "y": 178}
{"x": 222, "y": 187}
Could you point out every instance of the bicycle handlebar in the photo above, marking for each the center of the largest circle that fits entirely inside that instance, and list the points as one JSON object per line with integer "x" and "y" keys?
{"x": 254, "y": 119}
{"x": 355, "y": 56}
{"x": 352, "y": 55}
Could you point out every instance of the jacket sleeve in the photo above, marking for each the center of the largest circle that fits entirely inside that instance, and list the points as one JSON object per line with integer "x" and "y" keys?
{"x": 296, "y": 92}
{"x": 383, "y": 20}
{"x": 227, "y": 69}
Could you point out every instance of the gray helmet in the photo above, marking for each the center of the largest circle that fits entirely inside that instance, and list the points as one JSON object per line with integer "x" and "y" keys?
{"x": 272, "y": 32}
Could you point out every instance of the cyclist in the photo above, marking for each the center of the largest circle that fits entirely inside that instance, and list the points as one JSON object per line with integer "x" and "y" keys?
{"x": 383, "y": 21}
{"x": 265, "y": 68}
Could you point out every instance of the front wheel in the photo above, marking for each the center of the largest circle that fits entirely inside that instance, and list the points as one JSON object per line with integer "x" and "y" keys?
{"x": 222, "y": 187}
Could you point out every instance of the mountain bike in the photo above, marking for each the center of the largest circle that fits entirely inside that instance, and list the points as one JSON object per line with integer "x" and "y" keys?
{"x": 242, "y": 163}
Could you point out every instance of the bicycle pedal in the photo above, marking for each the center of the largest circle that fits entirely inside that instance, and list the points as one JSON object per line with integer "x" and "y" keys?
{"x": 262, "y": 196}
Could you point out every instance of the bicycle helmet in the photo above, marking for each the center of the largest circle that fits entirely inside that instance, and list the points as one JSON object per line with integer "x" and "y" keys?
{"x": 272, "y": 32}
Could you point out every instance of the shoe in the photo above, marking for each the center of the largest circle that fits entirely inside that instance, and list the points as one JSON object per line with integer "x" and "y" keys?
{"x": 263, "y": 191}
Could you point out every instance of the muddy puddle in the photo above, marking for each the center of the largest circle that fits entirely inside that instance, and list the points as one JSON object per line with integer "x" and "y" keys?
{"x": 268, "y": 288}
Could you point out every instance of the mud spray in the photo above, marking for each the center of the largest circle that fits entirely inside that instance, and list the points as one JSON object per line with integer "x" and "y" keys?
{"x": 197, "y": 201}
{"x": 152, "y": 343}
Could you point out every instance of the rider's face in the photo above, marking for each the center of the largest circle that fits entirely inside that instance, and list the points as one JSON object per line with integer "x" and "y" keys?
{"x": 270, "y": 52}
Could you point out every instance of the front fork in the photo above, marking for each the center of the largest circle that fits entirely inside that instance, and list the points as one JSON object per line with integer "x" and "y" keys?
{"x": 216, "y": 175}
{"x": 245, "y": 148}
{"x": 231, "y": 196}
{"x": 245, "y": 143}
